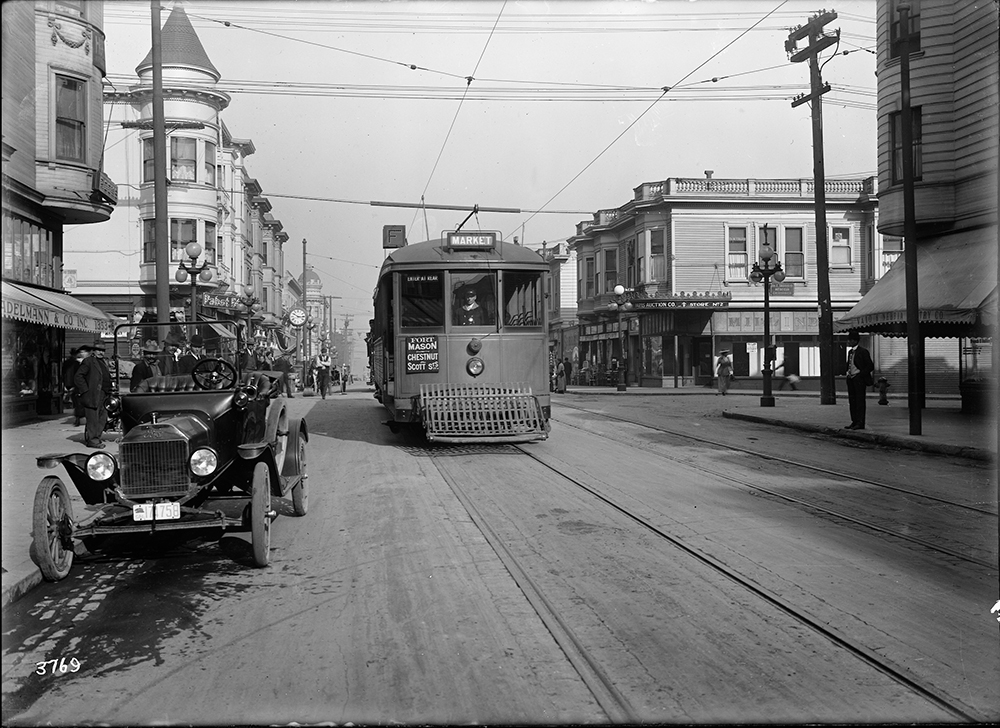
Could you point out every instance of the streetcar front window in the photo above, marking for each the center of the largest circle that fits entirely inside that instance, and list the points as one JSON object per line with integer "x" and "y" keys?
{"x": 522, "y": 299}
{"x": 473, "y": 299}
{"x": 422, "y": 299}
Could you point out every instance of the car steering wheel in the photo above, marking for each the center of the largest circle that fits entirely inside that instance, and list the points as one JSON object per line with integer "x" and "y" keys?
{"x": 214, "y": 374}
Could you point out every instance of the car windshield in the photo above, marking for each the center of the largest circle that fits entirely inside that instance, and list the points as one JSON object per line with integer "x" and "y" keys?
{"x": 139, "y": 351}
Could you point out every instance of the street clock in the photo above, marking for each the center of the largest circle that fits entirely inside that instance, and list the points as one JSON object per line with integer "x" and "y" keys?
{"x": 297, "y": 316}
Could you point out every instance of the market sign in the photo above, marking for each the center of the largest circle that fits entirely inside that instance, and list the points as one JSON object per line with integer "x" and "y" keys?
{"x": 422, "y": 354}
{"x": 472, "y": 241}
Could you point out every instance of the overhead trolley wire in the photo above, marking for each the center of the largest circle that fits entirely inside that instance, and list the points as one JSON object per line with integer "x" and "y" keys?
{"x": 635, "y": 121}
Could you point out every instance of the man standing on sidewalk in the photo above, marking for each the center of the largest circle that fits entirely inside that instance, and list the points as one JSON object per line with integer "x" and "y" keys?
{"x": 93, "y": 382}
{"x": 859, "y": 375}
{"x": 69, "y": 370}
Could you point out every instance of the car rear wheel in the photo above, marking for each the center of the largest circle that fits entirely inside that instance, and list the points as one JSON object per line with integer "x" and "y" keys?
{"x": 300, "y": 492}
{"x": 260, "y": 516}
{"x": 52, "y": 529}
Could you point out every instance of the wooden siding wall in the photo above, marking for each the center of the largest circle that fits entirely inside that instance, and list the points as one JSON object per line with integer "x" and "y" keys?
{"x": 698, "y": 244}
{"x": 19, "y": 89}
{"x": 953, "y": 79}
{"x": 940, "y": 358}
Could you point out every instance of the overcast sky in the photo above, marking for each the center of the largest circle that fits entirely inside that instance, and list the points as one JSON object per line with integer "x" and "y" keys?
{"x": 355, "y": 102}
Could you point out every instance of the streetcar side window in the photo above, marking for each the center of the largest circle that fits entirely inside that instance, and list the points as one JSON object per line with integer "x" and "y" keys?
{"x": 522, "y": 299}
{"x": 473, "y": 300}
{"x": 422, "y": 299}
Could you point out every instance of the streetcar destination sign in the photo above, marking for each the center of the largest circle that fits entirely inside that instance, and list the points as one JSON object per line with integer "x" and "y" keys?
{"x": 422, "y": 354}
{"x": 472, "y": 241}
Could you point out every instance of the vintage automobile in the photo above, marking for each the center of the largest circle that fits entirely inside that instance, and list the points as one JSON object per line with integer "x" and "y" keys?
{"x": 201, "y": 451}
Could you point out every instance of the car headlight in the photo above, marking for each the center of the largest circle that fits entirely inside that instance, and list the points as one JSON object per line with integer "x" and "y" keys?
{"x": 113, "y": 404}
{"x": 203, "y": 461}
{"x": 475, "y": 366}
{"x": 100, "y": 466}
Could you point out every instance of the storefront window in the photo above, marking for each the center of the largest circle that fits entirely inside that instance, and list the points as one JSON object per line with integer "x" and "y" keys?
{"x": 27, "y": 252}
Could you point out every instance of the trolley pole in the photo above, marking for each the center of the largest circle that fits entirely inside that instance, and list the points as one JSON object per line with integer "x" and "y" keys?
{"x": 818, "y": 41}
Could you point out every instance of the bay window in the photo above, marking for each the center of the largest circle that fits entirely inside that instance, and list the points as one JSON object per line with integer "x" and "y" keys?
{"x": 71, "y": 119}
{"x": 183, "y": 159}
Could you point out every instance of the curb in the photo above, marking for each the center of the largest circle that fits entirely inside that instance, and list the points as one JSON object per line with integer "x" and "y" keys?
{"x": 19, "y": 582}
{"x": 971, "y": 453}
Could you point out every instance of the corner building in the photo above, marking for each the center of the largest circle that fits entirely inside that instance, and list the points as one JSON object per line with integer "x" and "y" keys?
{"x": 684, "y": 248}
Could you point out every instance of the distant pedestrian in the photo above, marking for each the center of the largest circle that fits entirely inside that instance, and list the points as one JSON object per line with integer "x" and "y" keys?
{"x": 560, "y": 377}
{"x": 93, "y": 381}
{"x": 568, "y": 366}
{"x": 323, "y": 363}
{"x": 724, "y": 370}
{"x": 69, "y": 370}
{"x": 344, "y": 376}
{"x": 859, "y": 376}
{"x": 792, "y": 380}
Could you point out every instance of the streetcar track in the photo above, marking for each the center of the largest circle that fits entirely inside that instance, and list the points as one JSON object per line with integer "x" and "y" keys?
{"x": 729, "y": 477}
{"x": 615, "y": 705}
{"x": 775, "y": 458}
{"x": 869, "y": 657}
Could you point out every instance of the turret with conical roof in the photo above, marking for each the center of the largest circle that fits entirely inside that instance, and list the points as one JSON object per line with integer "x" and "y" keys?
{"x": 181, "y": 47}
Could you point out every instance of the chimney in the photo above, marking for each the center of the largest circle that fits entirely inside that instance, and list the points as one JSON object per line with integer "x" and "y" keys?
{"x": 709, "y": 173}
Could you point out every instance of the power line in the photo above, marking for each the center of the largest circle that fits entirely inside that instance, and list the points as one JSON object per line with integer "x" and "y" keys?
{"x": 666, "y": 89}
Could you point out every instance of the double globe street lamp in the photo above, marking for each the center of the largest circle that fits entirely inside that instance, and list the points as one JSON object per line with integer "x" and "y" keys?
{"x": 765, "y": 273}
{"x": 196, "y": 271}
{"x": 620, "y": 304}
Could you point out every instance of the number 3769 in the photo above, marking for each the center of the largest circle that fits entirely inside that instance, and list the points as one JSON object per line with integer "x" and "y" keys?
{"x": 58, "y": 666}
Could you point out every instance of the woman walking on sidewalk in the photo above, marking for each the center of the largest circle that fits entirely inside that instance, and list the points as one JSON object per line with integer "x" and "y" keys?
{"x": 724, "y": 368}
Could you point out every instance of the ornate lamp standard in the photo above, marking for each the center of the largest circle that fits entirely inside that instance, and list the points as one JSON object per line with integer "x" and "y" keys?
{"x": 765, "y": 273}
{"x": 196, "y": 271}
{"x": 621, "y": 303}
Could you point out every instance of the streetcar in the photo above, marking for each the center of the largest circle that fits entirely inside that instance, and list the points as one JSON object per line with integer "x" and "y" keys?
{"x": 458, "y": 345}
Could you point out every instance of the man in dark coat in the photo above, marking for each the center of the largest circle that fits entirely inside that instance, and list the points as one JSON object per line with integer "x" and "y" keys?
{"x": 69, "y": 369}
{"x": 148, "y": 367}
{"x": 283, "y": 365}
{"x": 93, "y": 382}
{"x": 859, "y": 376}
{"x": 194, "y": 354}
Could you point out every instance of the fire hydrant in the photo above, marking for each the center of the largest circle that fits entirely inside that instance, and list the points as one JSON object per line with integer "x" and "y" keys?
{"x": 883, "y": 390}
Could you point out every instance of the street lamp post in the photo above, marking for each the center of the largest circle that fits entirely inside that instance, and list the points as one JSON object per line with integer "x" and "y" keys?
{"x": 764, "y": 273}
{"x": 621, "y": 303}
{"x": 196, "y": 271}
{"x": 250, "y": 301}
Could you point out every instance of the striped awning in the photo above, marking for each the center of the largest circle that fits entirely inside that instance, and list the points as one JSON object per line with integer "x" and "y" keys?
{"x": 956, "y": 289}
{"x": 49, "y": 308}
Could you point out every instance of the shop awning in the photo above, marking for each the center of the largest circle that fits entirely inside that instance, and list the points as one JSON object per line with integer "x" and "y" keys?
{"x": 956, "y": 290}
{"x": 221, "y": 331}
{"x": 40, "y": 306}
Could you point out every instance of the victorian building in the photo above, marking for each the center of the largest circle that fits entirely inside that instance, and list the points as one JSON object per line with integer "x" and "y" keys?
{"x": 684, "y": 249}
{"x": 53, "y": 180}
{"x": 953, "y": 99}
{"x": 212, "y": 200}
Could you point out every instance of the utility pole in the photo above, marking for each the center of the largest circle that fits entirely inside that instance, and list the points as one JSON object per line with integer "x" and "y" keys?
{"x": 305, "y": 329}
{"x": 914, "y": 340}
{"x": 818, "y": 41}
{"x": 160, "y": 227}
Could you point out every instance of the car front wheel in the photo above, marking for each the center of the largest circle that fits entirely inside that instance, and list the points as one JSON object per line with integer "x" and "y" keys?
{"x": 52, "y": 529}
{"x": 260, "y": 515}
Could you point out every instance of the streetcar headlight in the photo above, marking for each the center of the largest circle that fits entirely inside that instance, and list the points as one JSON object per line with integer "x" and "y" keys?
{"x": 100, "y": 466}
{"x": 475, "y": 366}
{"x": 203, "y": 461}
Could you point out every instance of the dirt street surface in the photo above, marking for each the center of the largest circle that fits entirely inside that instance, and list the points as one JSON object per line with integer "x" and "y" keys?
{"x": 618, "y": 572}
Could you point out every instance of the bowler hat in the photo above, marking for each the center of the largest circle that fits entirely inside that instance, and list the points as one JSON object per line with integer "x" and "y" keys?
{"x": 196, "y": 340}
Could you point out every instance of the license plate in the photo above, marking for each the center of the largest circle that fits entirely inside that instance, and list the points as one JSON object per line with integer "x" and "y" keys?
{"x": 161, "y": 511}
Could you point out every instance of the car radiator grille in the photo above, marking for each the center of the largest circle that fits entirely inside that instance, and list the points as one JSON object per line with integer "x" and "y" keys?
{"x": 155, "y": 468}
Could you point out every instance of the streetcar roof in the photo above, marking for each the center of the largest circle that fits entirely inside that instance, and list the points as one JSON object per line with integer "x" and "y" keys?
{"x": 435, "y": 252}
